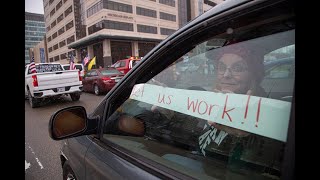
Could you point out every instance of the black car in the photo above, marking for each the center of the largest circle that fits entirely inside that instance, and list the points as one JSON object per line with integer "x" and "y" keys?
{"x": 147, "y": 128}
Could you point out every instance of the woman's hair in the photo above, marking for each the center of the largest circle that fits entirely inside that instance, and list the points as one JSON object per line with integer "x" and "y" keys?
{"x": 254, "y": 61}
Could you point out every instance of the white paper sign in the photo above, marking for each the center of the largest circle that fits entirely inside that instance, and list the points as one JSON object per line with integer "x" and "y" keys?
{"x": 262, "y": 116}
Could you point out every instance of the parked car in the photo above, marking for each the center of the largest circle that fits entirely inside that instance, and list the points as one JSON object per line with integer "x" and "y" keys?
{"x": 101, "y": 80}
{"x": 125, "y": 65}
{"x": 136, "y": 131}
{"x": 78, "y": 66}
{"x": 50, "y": 80}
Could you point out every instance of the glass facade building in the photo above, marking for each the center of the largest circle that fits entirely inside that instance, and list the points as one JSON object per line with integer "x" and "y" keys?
{"x": 34, "y": 32}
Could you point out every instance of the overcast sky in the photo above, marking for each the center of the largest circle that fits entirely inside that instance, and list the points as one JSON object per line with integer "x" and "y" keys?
{"x": 34, "y": 6}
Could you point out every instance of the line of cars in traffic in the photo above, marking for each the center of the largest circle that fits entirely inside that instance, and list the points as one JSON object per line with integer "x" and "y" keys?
{"x": 102, "y": 80}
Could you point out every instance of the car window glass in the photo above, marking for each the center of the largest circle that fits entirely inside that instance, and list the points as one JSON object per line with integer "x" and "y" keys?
{"x": 88, "y": 74}
{"x": 40, "y": 68}
{"x": 122, "y": 63}
{"x": 110, "y": 72}
{"x": 213, "y": 113}
{"x": 66, "y": 67}
{"x": 79, "y": 67}
{"x": 116, "y": 65}
{"x": 94, "y": 73}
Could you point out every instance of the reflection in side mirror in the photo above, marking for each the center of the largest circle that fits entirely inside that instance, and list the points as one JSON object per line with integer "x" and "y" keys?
{"x": 68, "y": 122}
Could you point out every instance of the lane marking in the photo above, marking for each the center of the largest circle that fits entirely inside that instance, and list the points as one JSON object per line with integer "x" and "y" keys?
{"x": 27, "y": 165}
{"x": 41, "y": 167}
{"x": 38, "y": 161}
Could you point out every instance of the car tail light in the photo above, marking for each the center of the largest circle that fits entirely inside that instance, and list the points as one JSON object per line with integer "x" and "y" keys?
{"x": 80, "y": 77}
{"x": 106, "y": 79}
{"x": 35, "y": 81}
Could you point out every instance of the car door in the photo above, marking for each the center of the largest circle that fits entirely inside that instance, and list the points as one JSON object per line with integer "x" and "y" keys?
{"x": 90, "y": 80}
{"x": 85, "y": 81}
{"x": 188, "y": 130}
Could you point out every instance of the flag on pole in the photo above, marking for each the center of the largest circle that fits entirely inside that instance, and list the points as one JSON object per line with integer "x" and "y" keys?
{"x": 72, "y": 65}
{"x": 91, "y": 63}
{"x": 32, "y": 66}
{"x": 85, "y": 60}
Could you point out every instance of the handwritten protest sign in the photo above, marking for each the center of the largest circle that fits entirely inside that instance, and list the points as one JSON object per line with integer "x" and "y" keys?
{"x": 262, "y": 116}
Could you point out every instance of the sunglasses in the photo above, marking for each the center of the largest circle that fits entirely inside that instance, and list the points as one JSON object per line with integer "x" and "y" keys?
{"x": 236, "y": 69}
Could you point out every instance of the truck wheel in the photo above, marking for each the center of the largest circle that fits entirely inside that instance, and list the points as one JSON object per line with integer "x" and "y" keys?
{"x": 96, "y": 89}
{"x": 32, "y": 101}
{"x": 75, "y": 96}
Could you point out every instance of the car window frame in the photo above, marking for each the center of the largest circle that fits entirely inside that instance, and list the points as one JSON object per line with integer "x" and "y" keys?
{"x": 148, "y": 63}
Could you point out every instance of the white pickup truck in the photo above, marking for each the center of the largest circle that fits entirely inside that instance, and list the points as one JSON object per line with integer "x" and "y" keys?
{"x": 51, "y": 80}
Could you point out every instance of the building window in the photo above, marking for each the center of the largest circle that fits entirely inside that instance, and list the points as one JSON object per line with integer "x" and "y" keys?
{"x": 146, "y": 12}
{"x": 50, "y": 49}
{"x": 167, "y": 16}
{"x": 147, "y": 29}
{"x": 63, "y": 56}
{"x": 168, "y": 2}
{"x": 48, "y": 28}
{"x": 49, "y": 39}
{"x": 54, "y": 35}
{"x": 69, "y": 25}
{"x": 106, "y": 24}
{"x": 52, "y": 12}
{"x": 59, "y": 5}
{"x": 118, "y": 25}
{"x": 71, "y": 53}
{"x": 62, "y": 43}
{"x": 60, "y": 18}
{"x": 68, "y": 11}
{"x": 53, "y": 24}
{"x": 56, "y": 58}
{"x": 61, "y": 31}
{"x": 165, "y": 31}
{"x": 55, "y": 46}
{"x": 51, "y": 59}
{"x": 117, "y": 6}
{"x": 70, "y": 39}
{"x": 210, "y": 3}
{"x": 95, "y": 8}
{"x": 106, "y": 4}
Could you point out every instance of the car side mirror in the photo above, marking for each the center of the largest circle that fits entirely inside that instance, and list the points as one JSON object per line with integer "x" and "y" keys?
{"x": 71, "y": 122}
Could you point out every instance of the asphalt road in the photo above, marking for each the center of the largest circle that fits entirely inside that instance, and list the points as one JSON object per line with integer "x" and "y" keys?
{"x": 41, "y": 152}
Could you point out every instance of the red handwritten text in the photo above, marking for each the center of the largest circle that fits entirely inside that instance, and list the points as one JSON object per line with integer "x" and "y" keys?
{"x": 226, "y": 112}
{"x": 164, "y": 99}
{"x": 202, "y": 107}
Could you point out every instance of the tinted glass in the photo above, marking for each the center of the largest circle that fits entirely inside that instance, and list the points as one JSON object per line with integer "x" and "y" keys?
{"x": 48, "y": 68}
{"x": 109, "y": 72}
